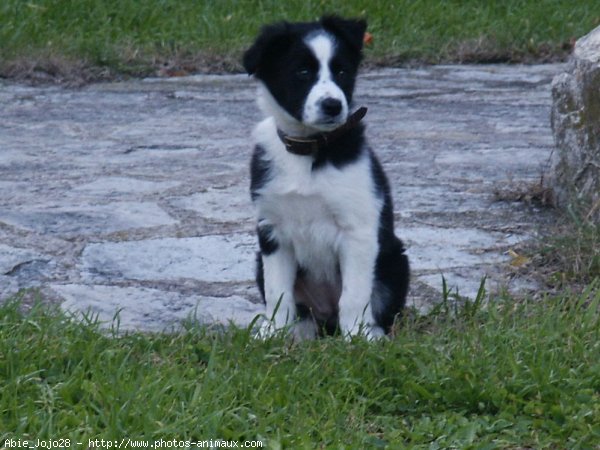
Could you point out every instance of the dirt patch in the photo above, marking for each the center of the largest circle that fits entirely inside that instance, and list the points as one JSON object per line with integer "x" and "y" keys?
{"x": 54, "y": 69}
{"x": 536, "y": 192}
{"x": 59, "y": 69}
{"x": 485, "y": 50}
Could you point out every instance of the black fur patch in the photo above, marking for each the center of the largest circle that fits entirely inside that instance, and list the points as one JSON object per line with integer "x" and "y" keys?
{"x": 382, "y": 189}
{"x": 260, "y": 170}
{"x": 391, "y": 267}
{"x": 343, "y": 151}
{"x": 392, "y": 277}
{"x": 267, "y": 243}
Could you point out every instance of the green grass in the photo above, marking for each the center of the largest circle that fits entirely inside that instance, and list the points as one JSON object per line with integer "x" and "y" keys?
{"x": 135, "y": 37}
{"x": 511, "y": 375}
{"x": 569, "y": 257}
{"x": 574, "y": 255}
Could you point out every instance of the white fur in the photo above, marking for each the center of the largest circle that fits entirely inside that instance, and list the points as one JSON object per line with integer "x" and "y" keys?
{"x": 323, "y": 219}
{"x": 323, "y": 46}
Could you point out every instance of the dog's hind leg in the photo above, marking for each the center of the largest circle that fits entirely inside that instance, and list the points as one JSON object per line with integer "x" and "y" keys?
{"x": 392, "y": 275}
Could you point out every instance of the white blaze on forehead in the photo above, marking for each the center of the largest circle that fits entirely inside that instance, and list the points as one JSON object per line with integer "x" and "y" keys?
{"x": 322, "y": 46}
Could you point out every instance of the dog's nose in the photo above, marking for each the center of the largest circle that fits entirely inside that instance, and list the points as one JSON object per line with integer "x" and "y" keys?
{"x": 331, "y": 106}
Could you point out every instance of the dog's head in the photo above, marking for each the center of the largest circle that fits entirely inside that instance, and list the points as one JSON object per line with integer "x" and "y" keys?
{"x": 308, "y": 70}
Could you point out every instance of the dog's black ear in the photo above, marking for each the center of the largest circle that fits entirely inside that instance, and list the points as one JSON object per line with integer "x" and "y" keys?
{"x": 272, "y": 41}
{"x": 352, "y": 31}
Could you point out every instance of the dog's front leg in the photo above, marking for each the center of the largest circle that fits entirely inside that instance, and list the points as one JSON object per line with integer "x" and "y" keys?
{"x": 357, "y": 263}
{"x": 279, "y": 274}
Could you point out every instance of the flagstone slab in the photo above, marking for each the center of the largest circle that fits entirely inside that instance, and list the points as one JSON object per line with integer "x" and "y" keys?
{"x": 219, "y": 259}
{"x": 133, "y": 308}
{"x": 87, "y": 219}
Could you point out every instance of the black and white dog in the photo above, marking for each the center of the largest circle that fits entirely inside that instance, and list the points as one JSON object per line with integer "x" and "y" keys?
{"x": 328, "y": 256}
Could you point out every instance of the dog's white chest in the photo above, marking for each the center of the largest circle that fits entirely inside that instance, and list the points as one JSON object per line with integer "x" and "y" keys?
{"x": 307, "y": 221}
{"x": 312, "y": 210}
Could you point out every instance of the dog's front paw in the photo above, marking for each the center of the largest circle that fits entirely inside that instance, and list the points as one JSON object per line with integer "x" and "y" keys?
{"x": 368, "y": 331}
{"x": 299, "y": 331}
{"x": 266, "y": 330}
{"x": 372, "y": 332}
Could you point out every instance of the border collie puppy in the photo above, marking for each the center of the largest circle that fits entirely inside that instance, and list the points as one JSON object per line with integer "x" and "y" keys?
{"x": 329, "y": 259}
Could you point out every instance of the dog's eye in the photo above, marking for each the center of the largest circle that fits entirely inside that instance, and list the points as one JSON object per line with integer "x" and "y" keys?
{"x": 303, "y": 73}
{"x": 338, "y": 70}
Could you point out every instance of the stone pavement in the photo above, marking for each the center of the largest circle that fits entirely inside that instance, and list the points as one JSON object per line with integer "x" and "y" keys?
{"x": 132, "y": 196}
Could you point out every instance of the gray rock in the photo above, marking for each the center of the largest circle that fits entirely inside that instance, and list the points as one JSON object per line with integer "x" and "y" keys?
{"x": 15, "y": 264}
{"x": 107, "y": 187}
{"x": 440, "y": 249}
{"x": 71, "y": 220}
{"x": 576, "y": 127}
{"x": 218, "y": 259}
{"x": 220, "y": 204}
{"x": 11, "y": 258}
{"x": 130, "y": 308}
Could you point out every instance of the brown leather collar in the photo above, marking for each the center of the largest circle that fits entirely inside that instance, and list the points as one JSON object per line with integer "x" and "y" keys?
{"x": 311, "y": 145}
